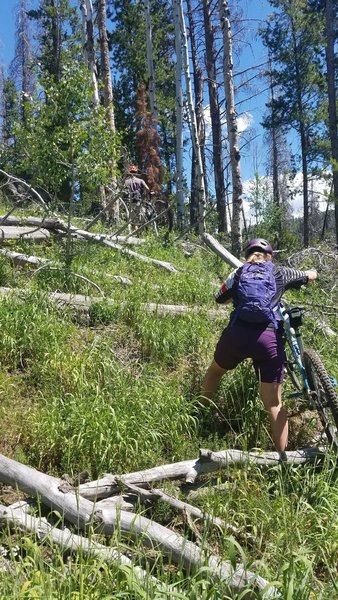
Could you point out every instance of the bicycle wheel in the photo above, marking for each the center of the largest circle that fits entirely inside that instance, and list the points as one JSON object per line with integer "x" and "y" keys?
{"x": 324, "y": 395}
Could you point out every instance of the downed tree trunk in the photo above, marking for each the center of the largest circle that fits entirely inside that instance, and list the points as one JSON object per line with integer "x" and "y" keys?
{"x": 156, "y": 494}
{"x": 83, "y": 303}
{"x": 9, "y": 232}
{"x": 109, "y": 485}
{"x": 19, "y": 519}
{"x": 23, "y": 259}
{"x": 57, "y": 224}
{"x": 102, "y": 240}
{"x": 52, "y": 223}
{"x": 58, "y": 495}
{"x": 229, "y": 258}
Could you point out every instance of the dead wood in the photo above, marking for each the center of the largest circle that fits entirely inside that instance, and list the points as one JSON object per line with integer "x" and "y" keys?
{"x": 108, "y": 485}
{"x": 23, "y": 259}
{"x": 83, "y": 303}
{"x": 22, "y": 182}
{"x": 82, "y": 512}
{"x": 18, "y": 518}
{"x": 9, "y": 232}
{"x": 156, "y": 494}
{"x": 229, "y": 258}
{"x": 100, "y": 240}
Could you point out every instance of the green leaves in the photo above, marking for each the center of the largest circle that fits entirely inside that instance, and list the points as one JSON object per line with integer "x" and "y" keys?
{"x": 64, "y": 131}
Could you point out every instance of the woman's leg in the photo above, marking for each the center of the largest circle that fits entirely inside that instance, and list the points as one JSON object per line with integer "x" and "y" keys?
{"x": 271, "y": 395}
{"x": 211, "y": 380}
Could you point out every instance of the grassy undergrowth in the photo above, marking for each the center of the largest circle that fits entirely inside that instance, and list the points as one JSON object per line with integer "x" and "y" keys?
{"x": 121, "y": 393}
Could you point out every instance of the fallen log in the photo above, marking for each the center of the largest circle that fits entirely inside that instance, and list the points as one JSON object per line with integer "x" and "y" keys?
{"x": 97, "y": 238}
{"x": 8, "y": 232}
{"x": 43, "y": 530}
{"x": 83, "y": 303}
{"x": 24, "y": 259}
{"x": 225, "y": 458}
{"x": 109, "y": 484}
{"x": 184, "y": 507}
{"x": 214, "y": 244}
{"x": 81, "y": 512}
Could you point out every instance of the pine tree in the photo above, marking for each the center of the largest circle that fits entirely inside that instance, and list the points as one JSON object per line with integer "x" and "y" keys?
{"x": 292, "y": 36}
{"x": 21, "y": 66}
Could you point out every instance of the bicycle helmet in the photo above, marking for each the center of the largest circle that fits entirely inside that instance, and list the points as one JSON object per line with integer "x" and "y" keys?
{"x": 257, "y": 244}
{"x": 132, "y": 169}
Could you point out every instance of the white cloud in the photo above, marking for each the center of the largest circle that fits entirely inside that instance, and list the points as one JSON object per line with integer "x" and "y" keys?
{"x": 319, "y": 188}
{"x": 243, "y": 122}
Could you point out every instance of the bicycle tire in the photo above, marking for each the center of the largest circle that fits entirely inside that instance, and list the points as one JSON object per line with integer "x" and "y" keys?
{"x": 325, "y": 397}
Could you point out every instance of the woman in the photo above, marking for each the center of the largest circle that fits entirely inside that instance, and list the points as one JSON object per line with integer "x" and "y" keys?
{"x": 260, "y": 341}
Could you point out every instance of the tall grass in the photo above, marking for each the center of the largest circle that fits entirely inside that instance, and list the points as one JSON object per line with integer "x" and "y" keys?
{"x": 123, "y": 394}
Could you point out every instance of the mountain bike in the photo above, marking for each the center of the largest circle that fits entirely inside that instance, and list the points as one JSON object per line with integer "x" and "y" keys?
{"x": 308, "y": 374}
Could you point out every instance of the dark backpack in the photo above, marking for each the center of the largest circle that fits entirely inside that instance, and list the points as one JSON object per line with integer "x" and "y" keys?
{"x": 254, "y": 290}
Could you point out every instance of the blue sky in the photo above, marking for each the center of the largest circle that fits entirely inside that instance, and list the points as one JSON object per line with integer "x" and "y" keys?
{"x": 252, "y": 53}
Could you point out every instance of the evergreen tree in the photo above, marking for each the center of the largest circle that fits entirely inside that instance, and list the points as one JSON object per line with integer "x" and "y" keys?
{"x": 21, "y": 68}
{"x": 127, "y": 42}
{"x": 293, "y": 36}
{"x": 58, "y": 34}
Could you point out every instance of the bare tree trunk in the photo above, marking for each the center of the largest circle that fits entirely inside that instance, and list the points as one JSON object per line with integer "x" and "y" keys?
{"x": 193, "y": 126}
{"x": 105, "y": 64}
{"x": 89, "y": 54}
{"x": 237, "y": 188}
{"x": 107, "y": 95}
{"x": 330, "y": 20}
{"x": 303, "y": 138}
{"x": 198, "y": 91}
{"x": 215, "y": 117}
{"x": 88, "y": 49}
{"x": 150, "y": 62}
{"x": 179, "y": 117}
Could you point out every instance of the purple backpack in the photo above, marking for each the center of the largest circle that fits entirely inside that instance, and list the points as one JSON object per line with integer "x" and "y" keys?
{"x": 255, "y": 288}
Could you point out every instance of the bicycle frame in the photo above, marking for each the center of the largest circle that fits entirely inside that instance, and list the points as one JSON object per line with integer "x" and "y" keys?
{"x": 295, "y": 342}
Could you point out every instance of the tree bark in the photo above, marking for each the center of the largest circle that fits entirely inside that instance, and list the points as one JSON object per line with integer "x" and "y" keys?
{"x": 150, "y": 61}
{"x": 215, "y": 116}
{"x": 82, "y": 513}
{"x": 198, "y": 91}
{"x": 237, "y": 188}
{"x": 193, "y": 126}
{"x": 330, "y": 20}
{"x": 179, "y": 118}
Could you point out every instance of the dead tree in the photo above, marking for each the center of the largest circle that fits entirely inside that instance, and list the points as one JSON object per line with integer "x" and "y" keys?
{"x": 237, "y": 187}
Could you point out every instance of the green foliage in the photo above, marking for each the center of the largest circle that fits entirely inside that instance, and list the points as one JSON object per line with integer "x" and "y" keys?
{"x": 64, "y": 136}
{"x": 131, "y": 63}
{"x": 123, "y": 394}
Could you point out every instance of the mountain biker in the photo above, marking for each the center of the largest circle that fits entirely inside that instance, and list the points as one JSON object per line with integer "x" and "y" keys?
{"x": 257, "y": 337}
{"x": 135, "y": 186}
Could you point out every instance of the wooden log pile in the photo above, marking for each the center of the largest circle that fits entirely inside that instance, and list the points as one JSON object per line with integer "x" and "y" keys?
{"x": 104, "y": 505}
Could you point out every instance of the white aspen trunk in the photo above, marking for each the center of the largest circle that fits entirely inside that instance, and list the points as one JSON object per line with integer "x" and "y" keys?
{"x": 179, "y": 117}
{"x": 150, "y": 62}
{"x": 237, "y": 188}
{"x": 105, "y": 64}
{"x": 114, "y": 206}
{"x": 193, "y": 124}
{"x": 89, "y": 55}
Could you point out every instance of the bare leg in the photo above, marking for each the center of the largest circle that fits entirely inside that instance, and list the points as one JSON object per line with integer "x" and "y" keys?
{"x": 271, "y": 395}
{"x": 211, "y": 380}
